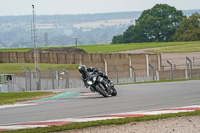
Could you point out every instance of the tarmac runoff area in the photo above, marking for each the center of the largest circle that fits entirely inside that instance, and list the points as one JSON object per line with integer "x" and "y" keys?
{"x": 95, "y": 118}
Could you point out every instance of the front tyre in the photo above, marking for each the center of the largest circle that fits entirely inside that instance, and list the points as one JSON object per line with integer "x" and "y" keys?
{"x": 101, "y": 90}
{"x": 113, "y": 91}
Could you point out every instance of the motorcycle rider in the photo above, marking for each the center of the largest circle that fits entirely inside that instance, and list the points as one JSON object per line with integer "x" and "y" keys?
{"x": 83, "y": 70}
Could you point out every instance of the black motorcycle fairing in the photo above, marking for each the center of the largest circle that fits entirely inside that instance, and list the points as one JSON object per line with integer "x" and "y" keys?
{"x": 105, "y": 84}
{"x": 94, "y": 80}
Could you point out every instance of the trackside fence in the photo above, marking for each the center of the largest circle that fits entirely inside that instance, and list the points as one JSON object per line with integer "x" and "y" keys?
{"x": 35, "y": 80}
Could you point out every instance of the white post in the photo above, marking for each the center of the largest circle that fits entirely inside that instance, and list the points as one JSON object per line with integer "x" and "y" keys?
{"x": 106, "y": 67}
{"x": 186, "y": 74}
{"x": 147, "y": 63}
{"x": 157, "y": 75}
{"x": 159, "y": 63}
{"x": 130, "y": 64}
{"x": 57, "y": 78}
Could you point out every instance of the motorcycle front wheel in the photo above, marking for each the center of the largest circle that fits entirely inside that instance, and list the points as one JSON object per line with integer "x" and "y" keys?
{"x": 113, "y": 91}
{"x": 101, "y": 90}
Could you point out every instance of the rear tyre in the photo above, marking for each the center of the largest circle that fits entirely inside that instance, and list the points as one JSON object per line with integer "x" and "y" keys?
{"x": 101, "y": 90}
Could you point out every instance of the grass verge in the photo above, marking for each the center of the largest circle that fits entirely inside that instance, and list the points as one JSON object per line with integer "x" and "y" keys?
{"x": 17, "y": 67}
{"x": 82, "y": 125}
{"x": 122, "y": 47}
{"x": 178, "y": 49}
{"x": 9, "y": 98}
{"x": 22, "y": 49}
{"x": 134, "y": 46}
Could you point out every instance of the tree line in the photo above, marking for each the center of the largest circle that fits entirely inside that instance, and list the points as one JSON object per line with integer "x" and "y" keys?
{"x": 162, "y": 23}
{"x": 16, "y": 30}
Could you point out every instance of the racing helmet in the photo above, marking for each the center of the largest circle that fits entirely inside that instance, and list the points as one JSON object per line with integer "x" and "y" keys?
{"x": 82, "y": 69}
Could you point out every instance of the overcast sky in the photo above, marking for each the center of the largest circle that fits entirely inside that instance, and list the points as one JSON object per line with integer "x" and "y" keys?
{"x": 50, "y": 7}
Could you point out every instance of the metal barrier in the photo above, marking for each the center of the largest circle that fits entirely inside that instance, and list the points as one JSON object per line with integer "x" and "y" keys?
{"x": 117, "y": 74}
{"x": 134, "y": 73}
{"x": 27, "y": 78}
{"x": 63, "y": 79}
{"x": 67, "y": 78}
{"x": 153, "y": 71}
{"x": 52, "y": 77}
{"x": 191, "y": 75}
{"x": 171, "y": 70}
{"x": 38, "y": 79}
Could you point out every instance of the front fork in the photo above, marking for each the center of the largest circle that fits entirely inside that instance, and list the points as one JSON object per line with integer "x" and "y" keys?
{"x": 108, "y": 88}
{"x": 105, "y": 85}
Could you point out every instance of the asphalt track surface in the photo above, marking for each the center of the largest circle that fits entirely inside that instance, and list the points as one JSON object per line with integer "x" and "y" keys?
{"x": 137, "y": 97}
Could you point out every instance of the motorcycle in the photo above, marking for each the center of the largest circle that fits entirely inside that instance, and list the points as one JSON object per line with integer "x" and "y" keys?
{"x": 100, "y": 85}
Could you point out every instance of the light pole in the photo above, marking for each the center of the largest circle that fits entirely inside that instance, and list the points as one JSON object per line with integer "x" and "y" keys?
{"x": 76, "y": 41}
{"x": 34, "y": 37}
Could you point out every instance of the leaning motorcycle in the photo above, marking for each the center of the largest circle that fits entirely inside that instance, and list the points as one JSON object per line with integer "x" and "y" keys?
{"x": 100, "y": 85}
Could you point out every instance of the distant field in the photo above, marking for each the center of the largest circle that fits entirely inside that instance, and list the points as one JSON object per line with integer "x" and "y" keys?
{"x": 17, "y": 67}
{"x": 112, "y": 22}
{"x": 19, "y": 49}
{"x": 135, "y": 46}
{"x": 177, "y": 47}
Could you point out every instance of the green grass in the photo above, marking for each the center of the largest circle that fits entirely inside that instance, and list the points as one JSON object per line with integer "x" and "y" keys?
{"x": 9, "y": 98}
{"x": 119, "y": 47}
{"x": 132, "y": 46}
{"x": 82, "y": 125}
{"x": 22, "y": 49}
{"x": 179, "y": 49}
{"x": 17, "y": 67}
{"x": 15, "y": 50}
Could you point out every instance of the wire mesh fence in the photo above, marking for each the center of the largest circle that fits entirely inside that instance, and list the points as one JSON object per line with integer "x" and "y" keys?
{"x": 50, "y": 79}
{"x": 46, "y": 80}
{"x": 62, "y": 79}
{"x": 180, "y": 71}
{"x": 35, "y": 80}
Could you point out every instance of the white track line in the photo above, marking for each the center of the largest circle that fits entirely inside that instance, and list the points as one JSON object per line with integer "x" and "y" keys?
{"x": 16, "y": 105}
{"x": 16, "y": 127}
{"x": 99, "y": 117}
